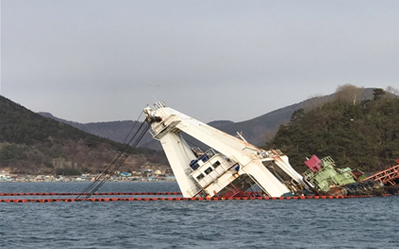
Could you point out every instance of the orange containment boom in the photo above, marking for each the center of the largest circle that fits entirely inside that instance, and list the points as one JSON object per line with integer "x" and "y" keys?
{"x": 107, "y": 193}
{"x": 180, "y": 199}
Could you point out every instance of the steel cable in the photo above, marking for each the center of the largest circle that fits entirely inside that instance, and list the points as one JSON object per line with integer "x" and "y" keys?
{"x": 113, "y": 160}
{"x": 114, "y": 165}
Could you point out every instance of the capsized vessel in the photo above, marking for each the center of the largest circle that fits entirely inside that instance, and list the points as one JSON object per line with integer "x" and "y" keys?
{"x": 228, "y": 168}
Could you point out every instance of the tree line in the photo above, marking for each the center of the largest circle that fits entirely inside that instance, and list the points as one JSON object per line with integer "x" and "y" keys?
{"x": 30, "y": 143}
{"x": 356, "y": 132}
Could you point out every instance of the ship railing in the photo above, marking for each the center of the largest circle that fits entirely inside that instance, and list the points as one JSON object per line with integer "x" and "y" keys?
{"x": 152, "y": 132}
{"x": 327, "y": 161}
{"x": 308, "y": 174}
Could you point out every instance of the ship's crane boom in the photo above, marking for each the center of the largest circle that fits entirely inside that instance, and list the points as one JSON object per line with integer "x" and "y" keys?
{"x": 231, "y": 165}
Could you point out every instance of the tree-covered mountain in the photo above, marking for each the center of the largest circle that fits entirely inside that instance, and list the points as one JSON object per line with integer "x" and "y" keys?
{"x": 356, "y": 133}
{"x": 31, "y": 143}
{"x": 118, "y": 131}
{"x": 354, "y": 126}
{"x": 256, "y": 130}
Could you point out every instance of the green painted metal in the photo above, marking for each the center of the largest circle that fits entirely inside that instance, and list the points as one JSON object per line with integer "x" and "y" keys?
{"x": 328, "y": 176}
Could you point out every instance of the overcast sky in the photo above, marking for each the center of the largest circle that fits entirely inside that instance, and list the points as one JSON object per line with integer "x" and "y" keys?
{"x": 100, "y": 60}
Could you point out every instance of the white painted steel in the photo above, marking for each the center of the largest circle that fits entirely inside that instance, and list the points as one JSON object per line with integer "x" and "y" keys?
{"x": 179, "y": 156}
{"x": 171, "y": 122}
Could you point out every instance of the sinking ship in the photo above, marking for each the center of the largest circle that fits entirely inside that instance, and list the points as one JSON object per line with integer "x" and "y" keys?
{"x": 229, "y": 167}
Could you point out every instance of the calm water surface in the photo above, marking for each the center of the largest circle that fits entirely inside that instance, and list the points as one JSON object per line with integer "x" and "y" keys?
{"x": 348, "y": 223}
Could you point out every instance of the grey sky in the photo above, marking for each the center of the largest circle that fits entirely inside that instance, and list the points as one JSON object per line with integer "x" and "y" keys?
{"x": 98, "y": 60}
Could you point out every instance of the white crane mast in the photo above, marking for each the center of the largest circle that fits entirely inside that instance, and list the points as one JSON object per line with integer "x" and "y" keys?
{"x": 230, "y": 166}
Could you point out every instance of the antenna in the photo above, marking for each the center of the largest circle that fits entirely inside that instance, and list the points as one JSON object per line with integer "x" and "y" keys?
{"x": 158, "y": 104}
{"x": 156, "y": 100}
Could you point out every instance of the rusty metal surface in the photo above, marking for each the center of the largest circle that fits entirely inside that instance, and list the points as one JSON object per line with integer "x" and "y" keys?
{"x": 387, "y": 176}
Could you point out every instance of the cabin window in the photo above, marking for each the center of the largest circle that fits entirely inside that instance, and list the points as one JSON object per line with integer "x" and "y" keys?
{"x": 277, "y": 171}
{"x": 216, "y": 164}
{"x": 199, "y": 177}
{"x": 208, "y": 170}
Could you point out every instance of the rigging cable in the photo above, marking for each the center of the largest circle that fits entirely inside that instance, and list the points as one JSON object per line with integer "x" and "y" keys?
{"x": 113, "y": 160}
{"x": 111, "y": 168}
{"x": 118, "y": 159}
{"x": 125, "y": 156}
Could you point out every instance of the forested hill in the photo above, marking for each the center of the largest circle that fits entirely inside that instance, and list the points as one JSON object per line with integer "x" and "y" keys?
{"x": 357, "y": 134}
{"x": 256, "y": 130}
{"x": 114, "y": 130}
{"x": 30, "y": 143}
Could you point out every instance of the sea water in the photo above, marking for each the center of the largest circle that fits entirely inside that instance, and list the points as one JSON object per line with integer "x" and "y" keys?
{"x": 313, "y": 223}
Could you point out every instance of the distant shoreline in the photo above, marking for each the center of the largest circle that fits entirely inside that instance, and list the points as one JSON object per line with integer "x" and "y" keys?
{"x": 75, "y": 179}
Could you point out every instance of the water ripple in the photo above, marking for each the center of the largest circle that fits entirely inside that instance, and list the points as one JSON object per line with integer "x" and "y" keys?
{"x": 348, "y": 223}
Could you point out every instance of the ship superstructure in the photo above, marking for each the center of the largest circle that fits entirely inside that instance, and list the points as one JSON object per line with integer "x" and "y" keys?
{"x": 229, "y": 167}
